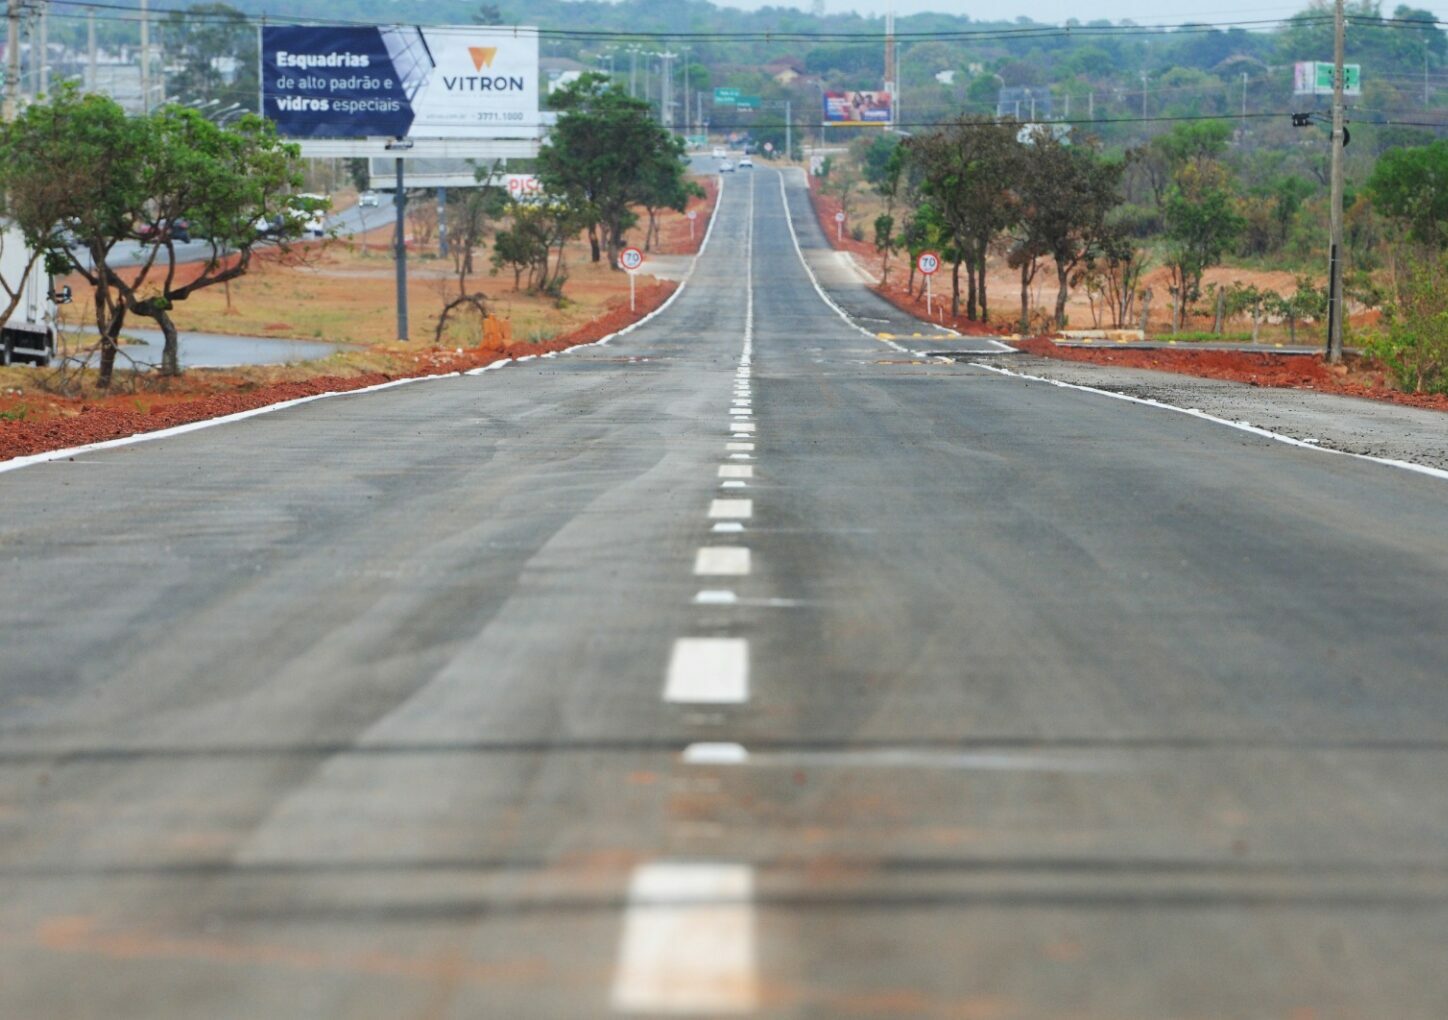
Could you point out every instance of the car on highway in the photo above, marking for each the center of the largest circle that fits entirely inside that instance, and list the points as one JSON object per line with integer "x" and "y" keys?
{"x": 745, "y": 163}
{"x": 369, "y": 198}
{"x": 178, "y": 230}
{"x": 726, "y": 167}
{"x": 719, "y": 152}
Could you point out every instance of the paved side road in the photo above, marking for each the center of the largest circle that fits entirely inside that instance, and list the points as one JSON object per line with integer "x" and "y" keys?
{"x": 744, "y": 666}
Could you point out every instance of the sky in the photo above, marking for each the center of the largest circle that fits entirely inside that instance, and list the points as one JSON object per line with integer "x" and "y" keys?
{"x": 1144, "y": 11}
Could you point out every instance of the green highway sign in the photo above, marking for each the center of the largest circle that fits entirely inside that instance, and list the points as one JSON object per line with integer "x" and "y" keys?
{"x": 726, "y": 97}
{"x": 747, "y": 102}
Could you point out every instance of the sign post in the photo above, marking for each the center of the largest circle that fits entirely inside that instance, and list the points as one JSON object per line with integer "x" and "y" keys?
{"x": 631, "y": 259}
{"x": 928, "y": 263}
{"x": 839, "y": 226}
{"x": 692, "y": 214}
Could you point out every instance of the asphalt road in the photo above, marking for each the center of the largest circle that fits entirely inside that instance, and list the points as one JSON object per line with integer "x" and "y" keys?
{"x": 485, "y": 697}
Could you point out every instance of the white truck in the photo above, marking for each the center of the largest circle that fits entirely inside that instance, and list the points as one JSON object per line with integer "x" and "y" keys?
{"x": 27, "y": 336}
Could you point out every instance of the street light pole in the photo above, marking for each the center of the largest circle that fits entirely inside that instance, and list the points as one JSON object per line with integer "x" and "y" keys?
{"x": 1335, "y": 253}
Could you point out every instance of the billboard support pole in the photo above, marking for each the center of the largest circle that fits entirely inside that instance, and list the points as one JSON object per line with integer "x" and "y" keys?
{"x": 400, "y": 199}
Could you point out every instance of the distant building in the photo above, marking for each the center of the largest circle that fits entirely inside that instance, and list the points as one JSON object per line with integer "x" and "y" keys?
{"x": 1024, "y": 102}
{"x": 945, "y": 77}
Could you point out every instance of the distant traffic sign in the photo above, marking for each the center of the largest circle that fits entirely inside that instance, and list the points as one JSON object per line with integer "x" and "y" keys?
{"x": 693, "y": 214}
{"x": 839, "y": 217}
{"x": 726, "y": 97}
{"x": 928, "y": 262}
{"x": 747, "y": 102}
{"x": 630, "y": 259}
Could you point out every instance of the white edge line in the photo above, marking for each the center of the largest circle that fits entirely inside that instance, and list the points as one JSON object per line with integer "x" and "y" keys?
{"x": 814, "y": 281}
{"x": 1255, "y": 430}
{"x": 16, "y": 463}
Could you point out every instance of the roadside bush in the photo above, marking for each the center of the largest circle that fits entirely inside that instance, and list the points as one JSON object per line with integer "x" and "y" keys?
{"x": 1413, "y": 343}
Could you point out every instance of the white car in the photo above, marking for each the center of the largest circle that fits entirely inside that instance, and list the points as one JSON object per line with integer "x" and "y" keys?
{"x": 745, "y": 163}
{"x": 369, "y": 198}
{"x": 719, "y": 152}
{"x": 726, "y": 167}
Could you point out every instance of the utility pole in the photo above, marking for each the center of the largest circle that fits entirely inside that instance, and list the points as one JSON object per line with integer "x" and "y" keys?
{"x": 90, "y": 49}
{"x": 1244, "y": 105}
{"x": 44, "y": 66}
{"x": 12, "y": 59}
{"x": 890, "y": 59}
{"x": 145, "y": 57}
{"x": 400, "y": 251}
{"x": 1143, "y": 95}
{"x": 1335, "y": 253}
{"x": 788, "y": 130}
{"x": 633, "y": 72}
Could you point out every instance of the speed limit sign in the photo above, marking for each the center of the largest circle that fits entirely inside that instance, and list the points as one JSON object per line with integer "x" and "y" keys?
{"x": 839, "y": 217}
{"x": 928, "y": 263}
{"x": 630, "y": 259}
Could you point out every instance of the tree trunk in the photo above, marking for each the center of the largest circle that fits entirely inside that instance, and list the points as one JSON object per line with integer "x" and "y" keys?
{"x": 651, "y": 232}
{"x": 910, "y": 280}
{"x": 1025, "y": 297}
{"x": 1060, "y": 295}
{"x": 170, "y": 354}
{"x": 972, "y": 297}
{"x": 980, "y": 264}
{"x": 1256, "y": 322}
{"x": 593, "y": 241}
{"x": 955, "y": 288}
{"x": 1221, "y": 311}
{"x": 1145, "y": 311}
{"x": 108, "y": 362}
{"x": 1292, "y": 329}
{"x": 1176, "y": 311}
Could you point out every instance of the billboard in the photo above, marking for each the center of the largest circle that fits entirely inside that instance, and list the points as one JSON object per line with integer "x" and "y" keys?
{"x": 857, "y": 108}
{"x": 1314, "y": 78}
{"x": 401, "y": 81}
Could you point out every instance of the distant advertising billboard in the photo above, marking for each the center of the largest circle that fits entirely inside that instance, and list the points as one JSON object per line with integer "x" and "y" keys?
{"x": 401, "y": 81}
{"x": 857, "y": 107}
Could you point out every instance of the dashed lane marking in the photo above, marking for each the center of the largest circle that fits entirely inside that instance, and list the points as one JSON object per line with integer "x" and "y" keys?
{"x": 708, "y": 671}
{"x": 731, "y": 509}
{"x": 688, "y": 941}
{"x": 722, "y": 560}
{"x": 736, "y": 471}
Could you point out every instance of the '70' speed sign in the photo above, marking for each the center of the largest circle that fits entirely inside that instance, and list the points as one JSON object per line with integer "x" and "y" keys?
{"x": 928, "y": 262}
{"x": 630, "y": 259}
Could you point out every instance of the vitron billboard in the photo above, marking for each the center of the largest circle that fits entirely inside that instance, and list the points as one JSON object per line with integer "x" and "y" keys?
{"x": 399, "y": 81}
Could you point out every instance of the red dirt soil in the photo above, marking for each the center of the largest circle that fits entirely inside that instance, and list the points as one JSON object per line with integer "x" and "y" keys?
{"x": 1356, "y": 377}
{"x": 117, "y": 415}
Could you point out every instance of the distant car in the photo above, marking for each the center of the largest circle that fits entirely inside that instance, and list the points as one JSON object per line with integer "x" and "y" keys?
{"x": 726, "y": 167}
{"x": 719, "y": 152}
{"x": 745, "y": 163}
{"x": 370, "y": 198}
{"x": 177, "y": 230}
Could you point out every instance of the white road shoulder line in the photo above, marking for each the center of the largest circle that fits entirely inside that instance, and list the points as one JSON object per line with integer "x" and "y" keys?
{"x": 715, "y": 597}
{"x": 688, "y": 941}
{"x": 1240, "y": 426}
{"x": 722, "y": 560}
{"x": 708, "y": 671}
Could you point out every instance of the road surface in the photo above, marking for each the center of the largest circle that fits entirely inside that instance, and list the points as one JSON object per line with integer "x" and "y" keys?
{"x": 744, "y": 666}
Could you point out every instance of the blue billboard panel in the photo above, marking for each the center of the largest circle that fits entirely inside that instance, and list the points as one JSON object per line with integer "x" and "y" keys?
{"x": 399, "y": 81}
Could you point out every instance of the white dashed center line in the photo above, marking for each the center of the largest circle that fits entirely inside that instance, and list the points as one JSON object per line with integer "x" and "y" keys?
{"x": 738, "y": 446}
{"x": 736, "y": 470}
{"x": 708, "y": 671}
{"x": 722, "y": 559}
{"x": 688, "y": 941}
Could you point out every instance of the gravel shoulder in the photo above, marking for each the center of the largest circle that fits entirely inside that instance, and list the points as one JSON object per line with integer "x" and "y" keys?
{"x": 1349, "y": 424}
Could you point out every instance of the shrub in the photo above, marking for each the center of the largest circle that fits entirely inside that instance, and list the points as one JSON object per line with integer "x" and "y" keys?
{"x": 1413, "y": 343}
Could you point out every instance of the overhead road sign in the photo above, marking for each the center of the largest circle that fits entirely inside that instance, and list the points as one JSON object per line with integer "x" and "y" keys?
{"x": 401, "y": 81}
{"x": 726, "y": 97}
{"x": 1314, "y": 78}
{"x": 747, "y": 103}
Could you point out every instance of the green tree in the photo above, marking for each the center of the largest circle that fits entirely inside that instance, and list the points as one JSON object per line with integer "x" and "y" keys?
{"x": 1411, "y": 186}
{"x": 213, "y": 49}
{"x": 601, "y": 156}
{"x": 1066, "y": 193}
{"x": 1202, "y": 223}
